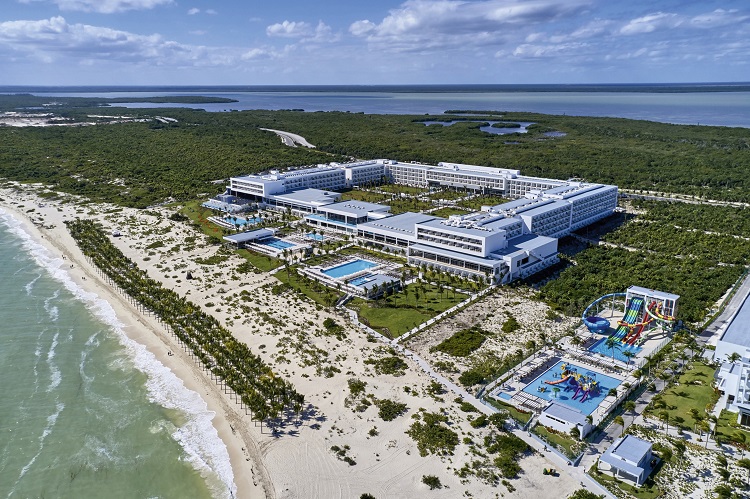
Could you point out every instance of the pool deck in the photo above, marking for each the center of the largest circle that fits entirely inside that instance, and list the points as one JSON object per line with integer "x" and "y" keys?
{"x": 533, "y": 367}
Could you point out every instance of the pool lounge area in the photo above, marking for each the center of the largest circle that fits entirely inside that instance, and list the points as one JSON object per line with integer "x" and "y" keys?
{"x": 600, "y": 347}
{"x": 277, "y": 243}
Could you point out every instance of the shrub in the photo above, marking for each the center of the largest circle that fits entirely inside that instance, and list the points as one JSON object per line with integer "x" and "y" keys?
{"x": 388, "y": 365}
{"x": 467, "y": 407}
{"x": 510, "y": 325}
{"x": 432, "y": 482}
{"x": 471, "y": 378}
{"x": 388, "y": 410}
{"x": 462, "y": 343}
{"x": 479, "y": 422}
{"x": 433, "y": 436}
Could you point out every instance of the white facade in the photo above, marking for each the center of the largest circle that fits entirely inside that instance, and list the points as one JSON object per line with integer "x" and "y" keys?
{"x": 733, "y": 383}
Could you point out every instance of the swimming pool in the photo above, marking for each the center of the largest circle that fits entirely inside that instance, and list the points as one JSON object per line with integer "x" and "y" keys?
{"x": 316, "y": 237}
{"x": 566, "y": 393}
{"x": 276, "y": 243}
{"x": 349, "y": 268}
{"x": 242, "y": 221}
{"x": 601, "y": 347}
{"x": 363, "y": 279}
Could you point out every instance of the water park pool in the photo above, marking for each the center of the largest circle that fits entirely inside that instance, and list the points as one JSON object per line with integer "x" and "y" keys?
{"x": 349, "y": 268}
{"x": 601, "y": 347}
{"x": 276, "y": 243}
{"x": 565, "y": 396}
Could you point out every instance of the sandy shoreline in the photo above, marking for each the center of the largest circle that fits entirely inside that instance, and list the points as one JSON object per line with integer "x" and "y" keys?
{"x": 147, "y": 332}
{"x": 287, "y": 332}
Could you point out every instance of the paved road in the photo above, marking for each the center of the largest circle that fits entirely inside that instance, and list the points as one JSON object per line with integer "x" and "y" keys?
{"x": 290, "y": 139}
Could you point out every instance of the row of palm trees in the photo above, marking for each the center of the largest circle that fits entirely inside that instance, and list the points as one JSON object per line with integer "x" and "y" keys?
{"x": 230, "y": 363}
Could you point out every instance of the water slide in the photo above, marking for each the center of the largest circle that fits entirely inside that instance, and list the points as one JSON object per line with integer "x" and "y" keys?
{"x": 627, "y": 322}
{"x": 638, "y": 328}
{"x": 563, "y": 380}
{"x": 657, "y": 315}
{"x": 594, "y": 323}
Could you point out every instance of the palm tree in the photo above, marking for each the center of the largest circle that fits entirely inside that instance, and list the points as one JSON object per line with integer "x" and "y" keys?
{"x": 745, "y": 463}
{"x": 629, "y": 355}
{"x": 613, "y": 344}
{"x": 734, "y": 357}
{"x": 620, "y": 421}
{"x": 555, "y": 390}
{"x": 664, "y": 417}
{"x": 629, "y": 406}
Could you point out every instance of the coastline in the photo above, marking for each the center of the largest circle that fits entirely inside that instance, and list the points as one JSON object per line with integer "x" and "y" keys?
{"x": 249, "y": 479}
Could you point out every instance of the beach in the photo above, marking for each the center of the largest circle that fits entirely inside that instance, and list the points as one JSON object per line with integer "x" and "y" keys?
{"x": 286, "y": 330}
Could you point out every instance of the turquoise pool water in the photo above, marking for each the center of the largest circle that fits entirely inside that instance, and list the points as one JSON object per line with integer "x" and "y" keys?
{"x": 349, "y": 268}
{"x": 316, "y": 237}
{"x": 363, "y": 279}
{"x": 276, "y": 243}
{"x": 566, "y": 393}
{"x": 242, "y": 221}
{"x": 601, "y": 347}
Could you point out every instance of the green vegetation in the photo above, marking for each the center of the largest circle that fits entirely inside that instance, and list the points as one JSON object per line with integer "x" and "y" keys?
{"x": 477, "y": 202}
{"x": 729, "y": 431}
{"x": 522, "y": 417}
{"x": 388, "y": 410}
{"x": 600, "y": 270}
{"x": 648, "y": 491}
{"x": 462, "y": 343}
{"x": 432, "y": 435}
{"x": 392, "y": 364}
{"x": 311, "y": 288}
{"x": 263, "y": 263}
{"x": 402, "y": 311}
{"x": 691, "y": 394}
{"x": 510, "y": 325}
{"x": 564, "y": 443}
{"x": 341, "y": 454}
{"x": 509, "y": 448}
{"x": 432, "y": 482}
{"x": 448, "y": 211}
{"x": 701, "y": 217}
{"x": 585, "y": 494}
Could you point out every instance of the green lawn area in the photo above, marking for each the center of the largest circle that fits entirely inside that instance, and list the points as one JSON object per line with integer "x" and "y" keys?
{"x": 521, "y": 417}
{"x": 403, "y": 205}
{"x": 265, "y": 263}
{"x": 479, "y": 201}
{"x": 198, "y": 214}
{"x": 398, "y": 189}
{"x": 649, "y": 490}
{"x": 312, "y": 289}
{"x": 448, "y": 195}
{"x": 402, "y": 311}
{"x": 728, "y": 429}
{"x": 448, "y": 211}
{"x": 557, "y": 439}
{"x": 680, "y": 398}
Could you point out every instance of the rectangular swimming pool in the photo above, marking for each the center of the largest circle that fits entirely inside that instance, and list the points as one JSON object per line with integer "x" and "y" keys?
{"x": 567, "y": 391}
{"x": 619, "y": 350}
{"x": 276, "y": 243}
{"x": 349, "y": 268}
{"x": 363, "y": 279}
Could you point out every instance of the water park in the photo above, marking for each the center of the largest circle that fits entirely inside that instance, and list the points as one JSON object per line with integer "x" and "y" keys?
{"x": 578, "y": 383}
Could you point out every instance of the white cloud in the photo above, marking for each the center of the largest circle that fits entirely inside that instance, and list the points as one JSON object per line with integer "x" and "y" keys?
{"x": 193, "y": 11}
{"x": 108, "y": 6}
{"x": 56, "y": 39}
{"x": 651, "y": 22}
{"x": 717, "y": 18}
{"x": 211, "y": 12}
{"x": 289, "y": 29}
{"x": 432, "y": 24}
{"x": 537, "y": 51}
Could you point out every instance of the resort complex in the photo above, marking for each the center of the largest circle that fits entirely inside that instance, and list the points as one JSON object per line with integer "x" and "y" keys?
{"x": 500, "y": 243}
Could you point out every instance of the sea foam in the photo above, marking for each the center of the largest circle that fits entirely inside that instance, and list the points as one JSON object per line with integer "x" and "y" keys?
{"x": 206, "y": 452}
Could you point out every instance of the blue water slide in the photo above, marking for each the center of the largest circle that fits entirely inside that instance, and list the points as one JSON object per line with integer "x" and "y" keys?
{"x": 594, "y": 323}
{"x": 631, "y": 315}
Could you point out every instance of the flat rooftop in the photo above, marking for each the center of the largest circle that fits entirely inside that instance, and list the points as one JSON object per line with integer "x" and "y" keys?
{"x": 353, "y": 208}
{"x": 738, "y": 331}
{"x": 399, "y": 224}
{"x": 309, "y": 196}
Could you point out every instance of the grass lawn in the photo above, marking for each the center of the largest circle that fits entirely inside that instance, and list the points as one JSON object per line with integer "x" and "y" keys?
{"x": 521, "y": 417}
{"x": 370, "y": 197}
{"x": 685, "y": 395}
{"x": 560, "y": 441}
{"x": 448, "y": 211}
{"x": 312, "y": 289}
{"x": 649, "y": 490}
{"x": 448, "y": 195}
{"x": 265, "y": 263}
{"x": 402, "y": 205}
{"x": 198, "y": 214}
{"x": 479, "y": 201}
{"x": 728, "y": 429}
{"x": 398, "y": 189}
{"x": 403, "y": 311}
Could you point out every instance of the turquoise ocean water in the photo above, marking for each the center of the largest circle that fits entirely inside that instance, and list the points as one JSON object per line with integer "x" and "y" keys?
{"x": 86, "y": 412}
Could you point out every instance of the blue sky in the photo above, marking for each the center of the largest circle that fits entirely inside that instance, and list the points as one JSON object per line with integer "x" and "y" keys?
{"x": 251, "y": 42}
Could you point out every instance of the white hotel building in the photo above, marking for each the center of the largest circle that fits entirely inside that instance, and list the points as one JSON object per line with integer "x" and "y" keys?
{"x": 505, "y": 242}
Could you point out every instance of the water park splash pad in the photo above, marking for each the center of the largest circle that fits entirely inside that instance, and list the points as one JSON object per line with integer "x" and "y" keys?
{"x": 572, "y": 385}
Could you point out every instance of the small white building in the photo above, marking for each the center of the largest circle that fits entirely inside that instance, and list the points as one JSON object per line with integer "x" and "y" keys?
{"x": 733, "y": 383}
{"x": 562, "y": 418}
{"x": 629, "y": 459}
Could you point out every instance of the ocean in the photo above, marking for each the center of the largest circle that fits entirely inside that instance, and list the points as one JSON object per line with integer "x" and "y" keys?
{"x": 692, "y": 104}
{"x": 85, "y": 411}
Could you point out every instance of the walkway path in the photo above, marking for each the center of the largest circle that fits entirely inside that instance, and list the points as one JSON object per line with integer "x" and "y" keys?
{"x": 290, "y": 139}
